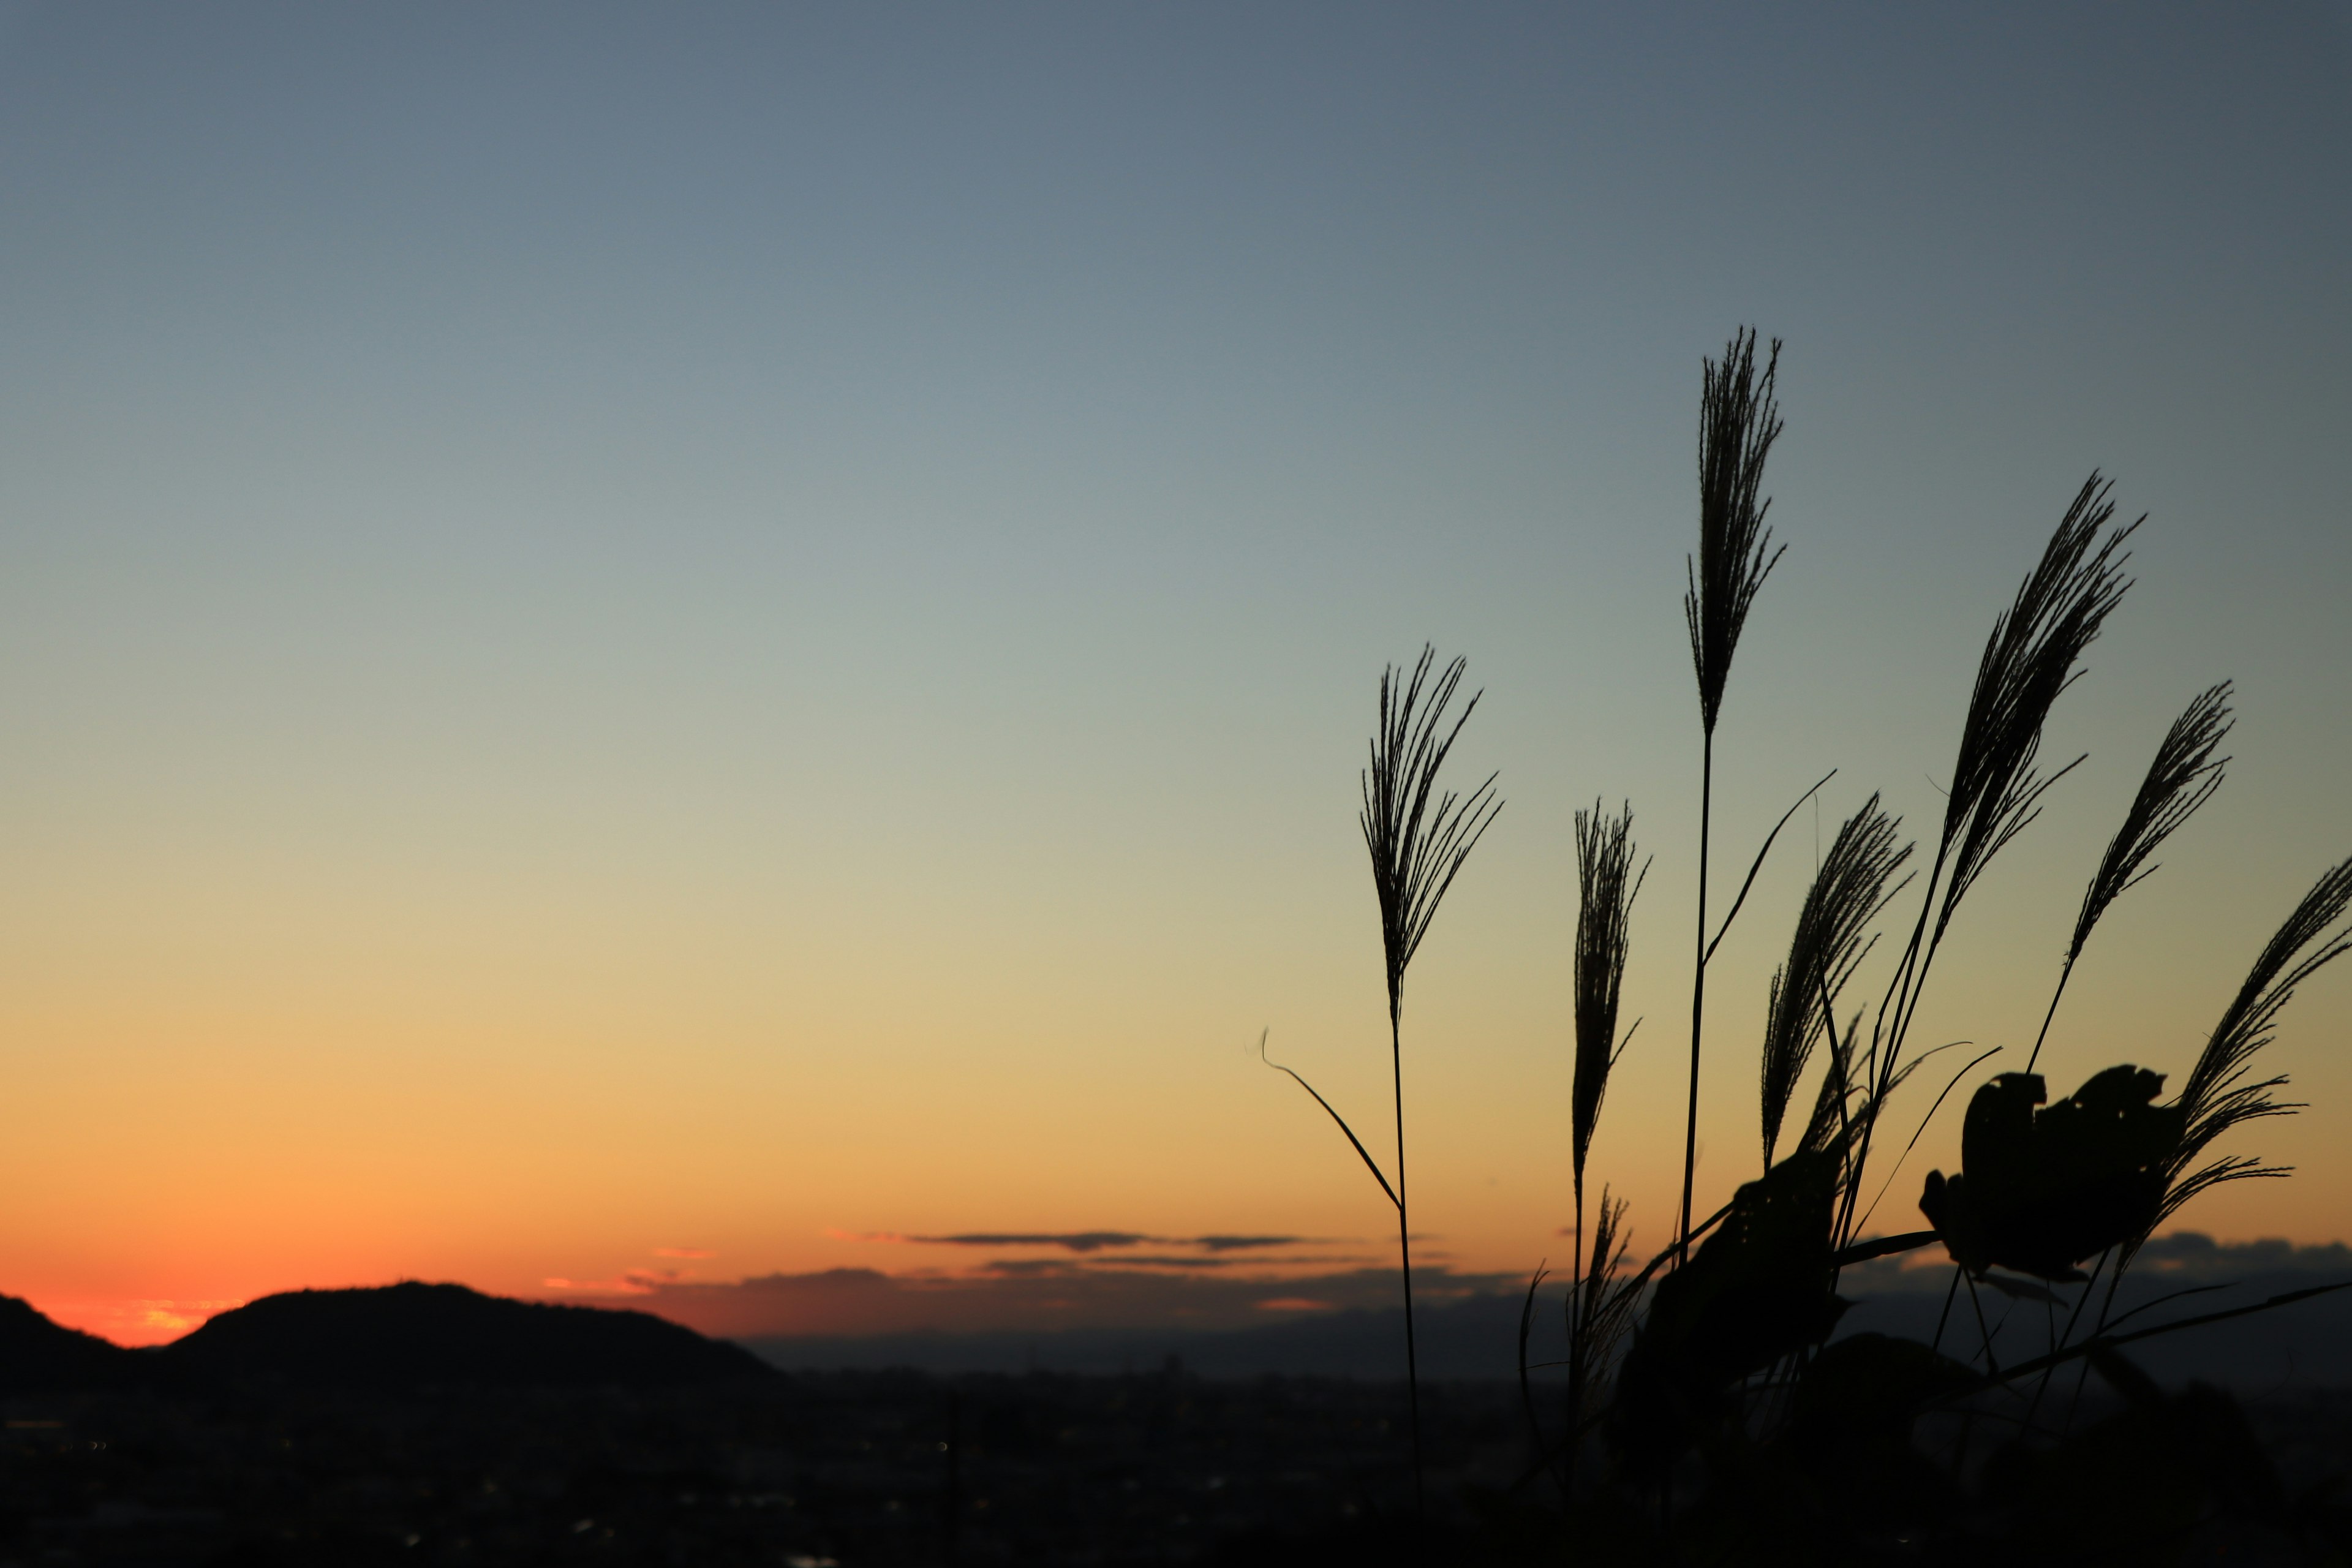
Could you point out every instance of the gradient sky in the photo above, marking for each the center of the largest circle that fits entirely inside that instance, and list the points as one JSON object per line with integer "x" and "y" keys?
{"x": 661, "y": 638}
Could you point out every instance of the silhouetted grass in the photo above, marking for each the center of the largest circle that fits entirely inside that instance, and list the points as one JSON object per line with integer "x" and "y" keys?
{"x": 2030, "y": 657}
{"x": 1832, "y": 938}
{"x": 1738, "y": 420}
{"x": 1607, "y": 886}
{"x": 1708, "y": 1415}
{"x": 2218, "y": 1095}
{"x": 2182, "y": 777}
{"x": 1419, "y": 836}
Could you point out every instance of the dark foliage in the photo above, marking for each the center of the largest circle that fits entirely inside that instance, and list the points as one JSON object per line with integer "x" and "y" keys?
{"x": 2136, "y": 1486}
{"x": 2040, "y": 1192}
{"x": 1730, "y": 1430}
{"x": 1756, "y": 1290}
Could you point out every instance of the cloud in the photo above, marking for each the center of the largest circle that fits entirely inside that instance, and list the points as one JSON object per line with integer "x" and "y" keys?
{"x": 1030, "y": 1268}
{"x": 1070, "y": 1240}
{"x": 140, "y": 1321}
{"x": 1030, "y": 1295}
{"x": 1074, "y": 1240}
{"x": 1010, "y": 1312}
{"x": 2182, "y": 1258}
{"x": 2192, "y": 1256}
{"x": 627, "y": 1282}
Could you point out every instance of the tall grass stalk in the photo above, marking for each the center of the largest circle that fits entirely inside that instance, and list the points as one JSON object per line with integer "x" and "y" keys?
{"x": 1832, "y": 938}
{"x": 1600, "y": 1314}
{"x": 2182, "y": 777}
{"x": 1418, "y": 838}
{"x": 1739, "y": 421}
{"x": 1607, "y": 886}
{"x": 2218, "y": 1094}
{"x": 2030, "y": 659}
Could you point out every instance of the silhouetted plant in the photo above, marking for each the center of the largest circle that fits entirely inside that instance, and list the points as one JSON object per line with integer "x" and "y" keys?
{"x": 1731, "y": 1428}
{"x": 2030, "y": 659}
{"x": 1832, "y": 939}
{"x": 1738, "y": 423}
{"x": 1418, "y": 837}
{"x": 2218, "y": 1096}
{"x": 1725, "y": 1355}
{"x": 2041, "y": 1190}
{"x": 1601, "y": 1308}
{"x": 2182, "y": 777}
{"x": 1606, "y": 888}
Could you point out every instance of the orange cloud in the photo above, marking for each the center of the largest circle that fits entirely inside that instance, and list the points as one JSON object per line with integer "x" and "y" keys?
{"x": 627, "y": 1282}
{"x": 139, "y": 1321}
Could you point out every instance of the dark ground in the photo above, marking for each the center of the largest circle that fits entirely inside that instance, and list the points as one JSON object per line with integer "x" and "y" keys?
{"x": 855, "y": 1467}
{"x": 846, "y": 1468}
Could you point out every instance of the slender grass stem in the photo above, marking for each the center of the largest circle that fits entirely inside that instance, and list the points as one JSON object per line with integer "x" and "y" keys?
{"x": 2065, "y": 973}
{"x": 1575, "y": 1336}
{"x": 1536, "y": 1445}
{"x": 2042, "y": 1384}
{"x": 1698, "y": 996}
{"x": 1945, "y": 1316}
{"x": 1404, "y": 1255}
{"x": 1984, "y": 1333}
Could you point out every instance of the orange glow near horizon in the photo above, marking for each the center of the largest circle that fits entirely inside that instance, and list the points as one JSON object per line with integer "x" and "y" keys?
{"x": 189, "y": 1158}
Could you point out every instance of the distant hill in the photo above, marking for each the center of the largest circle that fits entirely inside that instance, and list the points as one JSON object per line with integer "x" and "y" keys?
{"x": 411, "y": 1335}
{"x": 394, "y": 1336}
{"x": 39, "y": 1356}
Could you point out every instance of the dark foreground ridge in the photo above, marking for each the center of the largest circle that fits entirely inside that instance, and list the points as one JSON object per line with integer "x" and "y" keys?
{"x": 36, "y": 1354}
{"x": 283, "y": 1445}
{"x": 404, "y": 1336}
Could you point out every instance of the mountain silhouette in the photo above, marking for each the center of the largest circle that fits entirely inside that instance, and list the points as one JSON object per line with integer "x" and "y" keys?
{"x": 409, "y": 1335}
{"x": 39, "y": 1356}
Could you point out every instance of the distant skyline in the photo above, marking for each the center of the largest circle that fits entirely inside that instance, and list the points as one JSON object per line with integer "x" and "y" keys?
{"x": 641, "y": 646}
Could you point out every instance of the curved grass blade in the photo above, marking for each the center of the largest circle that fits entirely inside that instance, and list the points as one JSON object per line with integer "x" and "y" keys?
{"x": 1340, "y": 1120}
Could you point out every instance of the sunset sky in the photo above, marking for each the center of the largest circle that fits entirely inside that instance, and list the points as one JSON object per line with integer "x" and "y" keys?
{"x": 649, "y": 646}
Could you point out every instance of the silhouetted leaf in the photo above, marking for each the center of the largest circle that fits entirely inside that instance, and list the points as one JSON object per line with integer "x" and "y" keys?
{"x": 1757, "y": 1289}
{"x": 2041, "y": 1191}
